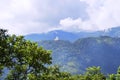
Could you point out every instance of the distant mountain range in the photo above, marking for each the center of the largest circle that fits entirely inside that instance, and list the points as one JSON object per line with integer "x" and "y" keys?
{"x": 76, "y": 51}
{"x": 74, "y": 57}
{"x": 62, "y": 35}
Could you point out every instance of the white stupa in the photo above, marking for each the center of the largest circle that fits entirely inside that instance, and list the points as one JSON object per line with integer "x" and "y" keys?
{"x": 56, "y": 38}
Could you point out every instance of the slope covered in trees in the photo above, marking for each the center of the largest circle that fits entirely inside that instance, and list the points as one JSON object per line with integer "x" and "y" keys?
{"x": 101, "y": 51}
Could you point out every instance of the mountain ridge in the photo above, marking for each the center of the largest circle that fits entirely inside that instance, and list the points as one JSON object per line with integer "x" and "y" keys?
{"x": 63, "y": 35}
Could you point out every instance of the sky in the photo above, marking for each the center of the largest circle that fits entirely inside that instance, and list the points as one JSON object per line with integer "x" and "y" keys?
{"x": 23, "y": 17}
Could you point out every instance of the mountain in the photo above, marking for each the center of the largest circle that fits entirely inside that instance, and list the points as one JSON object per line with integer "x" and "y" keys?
{"x": 75, "y": 56}
{"x": 76, "y": 51}
{"x": 62, "y": 35}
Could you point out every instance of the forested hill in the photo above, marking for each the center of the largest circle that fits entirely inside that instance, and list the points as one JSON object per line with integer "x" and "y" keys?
{"x": 74, "y": 57}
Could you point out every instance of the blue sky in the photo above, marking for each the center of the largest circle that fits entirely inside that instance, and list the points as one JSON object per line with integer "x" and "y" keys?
{"x": 38, "y": 16}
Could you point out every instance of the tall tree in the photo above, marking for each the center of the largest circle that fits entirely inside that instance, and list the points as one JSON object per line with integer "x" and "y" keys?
{"x": 28, "y": 59}
{"x": 23, "y": 58}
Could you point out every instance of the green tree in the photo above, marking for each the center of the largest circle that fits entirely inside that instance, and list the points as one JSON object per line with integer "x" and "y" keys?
{"x": 118, "y": 74}
{"x": 23, "y": 58}
{"x": 112, "y": 77}
{"x": 54, "y": 73}
{"x": 28, "y": 60}
{"x": 94, "y": 73}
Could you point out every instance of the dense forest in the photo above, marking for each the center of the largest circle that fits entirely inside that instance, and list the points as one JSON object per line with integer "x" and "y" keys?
{"x": 75, "y": 57}
{"x": 21, "y": 59}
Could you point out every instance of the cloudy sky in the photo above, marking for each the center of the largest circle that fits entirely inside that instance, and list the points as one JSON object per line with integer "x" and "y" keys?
{"x": 37, "y": 16}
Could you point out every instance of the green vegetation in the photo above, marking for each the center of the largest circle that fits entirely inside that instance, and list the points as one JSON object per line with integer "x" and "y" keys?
{"x": 25, "y": 60}
{"x": 75, "y": 57}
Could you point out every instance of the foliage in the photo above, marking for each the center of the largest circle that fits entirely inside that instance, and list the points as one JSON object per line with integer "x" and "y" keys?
{"x": 27, "y": 58}
{"x": 94, "y": 73}
{"x": 54, "y": 73}
{"x": 22, "y": 58}
{"x": 4, "y": 49}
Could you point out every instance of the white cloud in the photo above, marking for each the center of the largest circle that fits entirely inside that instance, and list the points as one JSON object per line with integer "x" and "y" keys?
{"x": 102, "y": 14}
{"x": 70, "y": 24}
{"x": 36, "y": 16}
{"x": 76, "y": 25}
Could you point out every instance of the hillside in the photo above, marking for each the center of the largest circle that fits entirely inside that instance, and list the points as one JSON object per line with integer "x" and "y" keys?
{"x": 74, "y": 57}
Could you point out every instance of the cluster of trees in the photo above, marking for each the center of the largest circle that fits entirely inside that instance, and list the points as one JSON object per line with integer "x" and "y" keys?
{"x": 25, "y": 60}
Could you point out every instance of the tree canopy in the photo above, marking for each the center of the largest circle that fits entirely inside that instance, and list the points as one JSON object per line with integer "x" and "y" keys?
{"x": 21, "y": 57}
